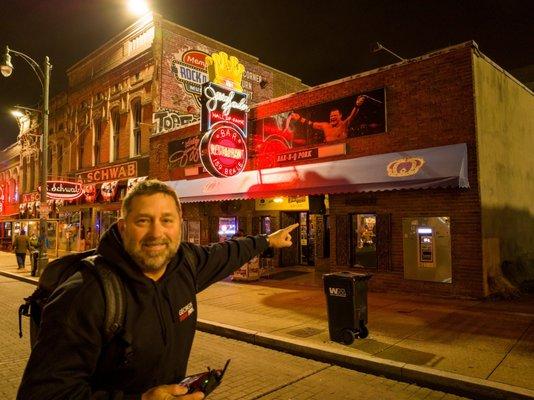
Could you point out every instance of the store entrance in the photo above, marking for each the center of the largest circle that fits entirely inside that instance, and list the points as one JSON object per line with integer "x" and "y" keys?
{"x": 302, "y": 252}
{"x": 291, "y": 255}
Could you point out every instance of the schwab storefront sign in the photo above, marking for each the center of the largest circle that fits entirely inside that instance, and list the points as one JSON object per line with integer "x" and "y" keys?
{"x": 111, "y": 173}
{"x": 63, "y": 190}
{"x": 223, "y": 147}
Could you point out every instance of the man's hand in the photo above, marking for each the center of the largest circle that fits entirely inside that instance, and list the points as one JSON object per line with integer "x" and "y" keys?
{"x": 294, "y": 116}
{"x": 171, "y": 392}
{"x": 359, "y": 101}
{"x": 282, "y": 237}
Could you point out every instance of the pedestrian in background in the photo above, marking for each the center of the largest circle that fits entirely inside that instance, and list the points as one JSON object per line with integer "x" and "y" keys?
{"x": 21, "y": 245}
{"x": 34, "y": 251}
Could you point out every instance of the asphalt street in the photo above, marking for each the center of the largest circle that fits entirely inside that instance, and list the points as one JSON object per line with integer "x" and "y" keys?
{"x": 254, "y": 372}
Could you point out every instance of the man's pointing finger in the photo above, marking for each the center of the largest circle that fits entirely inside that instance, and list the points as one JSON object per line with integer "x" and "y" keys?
{"x": 291, "y": 227}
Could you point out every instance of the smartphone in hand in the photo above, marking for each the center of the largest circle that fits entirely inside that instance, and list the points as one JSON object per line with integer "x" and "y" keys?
{"x": 205, "y": 382}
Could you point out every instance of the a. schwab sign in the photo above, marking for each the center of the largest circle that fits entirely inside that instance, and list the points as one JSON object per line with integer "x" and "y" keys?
{"x": 111, "y": 173}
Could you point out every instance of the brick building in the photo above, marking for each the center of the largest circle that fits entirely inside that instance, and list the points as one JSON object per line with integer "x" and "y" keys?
{"x": 418, "y": 172}
{"x": 9, "y": 192}
{"x": 143, "y": 82}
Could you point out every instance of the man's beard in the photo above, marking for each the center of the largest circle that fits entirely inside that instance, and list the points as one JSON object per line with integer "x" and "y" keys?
{"x": 151, "y": 263}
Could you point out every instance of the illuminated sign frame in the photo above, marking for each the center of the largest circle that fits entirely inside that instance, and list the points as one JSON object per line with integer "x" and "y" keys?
{"x": 110, "y": 173}
{"x": 223, "y": 150}
{"x": 63, "y": 190}
{"x": 223, "y": 147}
{"x": 220, "y": 103}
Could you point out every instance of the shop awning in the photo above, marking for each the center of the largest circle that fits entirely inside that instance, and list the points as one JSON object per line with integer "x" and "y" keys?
{"x": 9, "y": 217}
{"x": 444, "y": 166}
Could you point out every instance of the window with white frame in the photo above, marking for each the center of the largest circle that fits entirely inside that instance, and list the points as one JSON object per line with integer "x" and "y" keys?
{"x": 97, "y": 141}
{"x": 136, "y": 127}
{"x": 115, "y": 131}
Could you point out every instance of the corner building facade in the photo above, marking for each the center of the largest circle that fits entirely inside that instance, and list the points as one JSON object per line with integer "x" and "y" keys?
{"x": 141, "y": 83}
{"x": 414, "y": 172}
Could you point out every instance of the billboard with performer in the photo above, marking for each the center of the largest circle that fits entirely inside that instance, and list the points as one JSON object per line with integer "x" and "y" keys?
{"x": 332, "y": 122}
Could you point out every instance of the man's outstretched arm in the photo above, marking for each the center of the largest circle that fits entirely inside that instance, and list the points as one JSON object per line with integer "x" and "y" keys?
{"x": 218, "y": 260}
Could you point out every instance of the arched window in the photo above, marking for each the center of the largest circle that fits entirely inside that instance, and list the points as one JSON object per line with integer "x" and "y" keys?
{"x": 25, "y": 174}
{"x": 114, "y": 135}
{"x": 59, "y": 159}
{"x": 136, "y": 126}
{"x": 97, "y": 139}
{"x": 32, "y": 174}
{"x": 81, "y": 149}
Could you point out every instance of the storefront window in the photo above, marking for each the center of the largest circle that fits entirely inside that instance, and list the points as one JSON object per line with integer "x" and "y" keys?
{"x": 363, "y": 240}
{"x": 193, "y": 232}
{"x": 227, "y": 228}
{"x": 266, "y": 225}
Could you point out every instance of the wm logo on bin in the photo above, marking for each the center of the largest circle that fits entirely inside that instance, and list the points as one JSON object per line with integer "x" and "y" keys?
{"x": 338, "y": 292}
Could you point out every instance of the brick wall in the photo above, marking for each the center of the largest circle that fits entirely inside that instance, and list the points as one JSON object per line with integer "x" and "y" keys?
{"x": 429, "y": 103}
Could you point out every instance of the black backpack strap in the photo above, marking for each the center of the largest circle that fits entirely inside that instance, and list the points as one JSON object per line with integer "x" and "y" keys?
{"x": 114, "y": 296}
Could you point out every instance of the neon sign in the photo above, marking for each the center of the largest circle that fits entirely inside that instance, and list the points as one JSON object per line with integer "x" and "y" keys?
{"x": 63, "y": 190}
{"x": 223, "y": 147}
{"x": 223, "y": 150}
{"x": 222, "y": 104}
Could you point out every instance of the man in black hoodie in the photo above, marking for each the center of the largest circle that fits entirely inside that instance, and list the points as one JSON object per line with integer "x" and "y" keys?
{"x": 71, "y": 359}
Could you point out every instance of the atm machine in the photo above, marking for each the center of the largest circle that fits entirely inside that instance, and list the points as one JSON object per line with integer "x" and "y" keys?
{"x": 426, "y": 251}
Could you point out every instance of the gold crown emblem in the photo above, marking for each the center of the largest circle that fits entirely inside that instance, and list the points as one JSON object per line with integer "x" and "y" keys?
{"x": 405, "y": 166}
{"x": 224, "y": 70}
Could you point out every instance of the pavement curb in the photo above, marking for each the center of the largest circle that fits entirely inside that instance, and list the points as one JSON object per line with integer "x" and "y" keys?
{"x": 459, "y": 384}
{"x": 21, "y": 278}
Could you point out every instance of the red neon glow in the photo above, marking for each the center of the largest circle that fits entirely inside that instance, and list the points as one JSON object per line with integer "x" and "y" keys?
{"x": 63, "y": 190}
{"x": 224, "y": 150}
{"x": 217, "y": 116}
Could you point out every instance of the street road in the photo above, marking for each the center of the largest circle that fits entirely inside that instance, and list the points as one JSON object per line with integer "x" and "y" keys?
{"x": 254, "y": 372}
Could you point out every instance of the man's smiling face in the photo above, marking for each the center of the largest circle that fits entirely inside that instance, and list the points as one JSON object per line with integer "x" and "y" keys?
{"x": 152, "y": 231}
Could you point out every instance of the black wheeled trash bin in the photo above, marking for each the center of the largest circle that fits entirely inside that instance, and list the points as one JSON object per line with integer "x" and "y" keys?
{"x": 346, "y": 299}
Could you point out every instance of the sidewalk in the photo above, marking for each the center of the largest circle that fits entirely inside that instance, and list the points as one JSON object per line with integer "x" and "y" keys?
{"x": 475, "y": 348}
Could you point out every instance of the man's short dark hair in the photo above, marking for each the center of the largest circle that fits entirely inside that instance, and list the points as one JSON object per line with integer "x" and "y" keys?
{"x": 148, "y": 188}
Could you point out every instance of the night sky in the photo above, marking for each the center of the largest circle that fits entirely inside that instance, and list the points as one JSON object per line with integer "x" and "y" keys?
{"x": 315, "y": 40}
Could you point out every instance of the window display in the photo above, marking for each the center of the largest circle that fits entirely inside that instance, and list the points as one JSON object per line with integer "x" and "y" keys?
{"x": 364, "y": 240}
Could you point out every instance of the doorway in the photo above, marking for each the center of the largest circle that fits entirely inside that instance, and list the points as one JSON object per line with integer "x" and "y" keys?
{"x": 291, "y": 255}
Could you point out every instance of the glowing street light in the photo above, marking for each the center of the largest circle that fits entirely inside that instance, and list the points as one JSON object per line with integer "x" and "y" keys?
{"x": 17, "y": 113}
{"x": 138, "y": 7}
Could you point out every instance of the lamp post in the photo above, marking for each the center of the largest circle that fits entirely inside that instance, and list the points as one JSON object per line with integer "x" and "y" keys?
{"x": 6, "y": 68}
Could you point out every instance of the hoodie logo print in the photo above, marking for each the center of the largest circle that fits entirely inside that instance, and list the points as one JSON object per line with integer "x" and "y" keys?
{"x": 185, "y": 312}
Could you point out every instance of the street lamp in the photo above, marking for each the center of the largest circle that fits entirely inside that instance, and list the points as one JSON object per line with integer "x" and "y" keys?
{"x": 6, "y": 68}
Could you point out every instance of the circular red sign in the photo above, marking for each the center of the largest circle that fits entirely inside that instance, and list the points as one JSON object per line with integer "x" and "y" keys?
{"x": 223, "y": 150}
